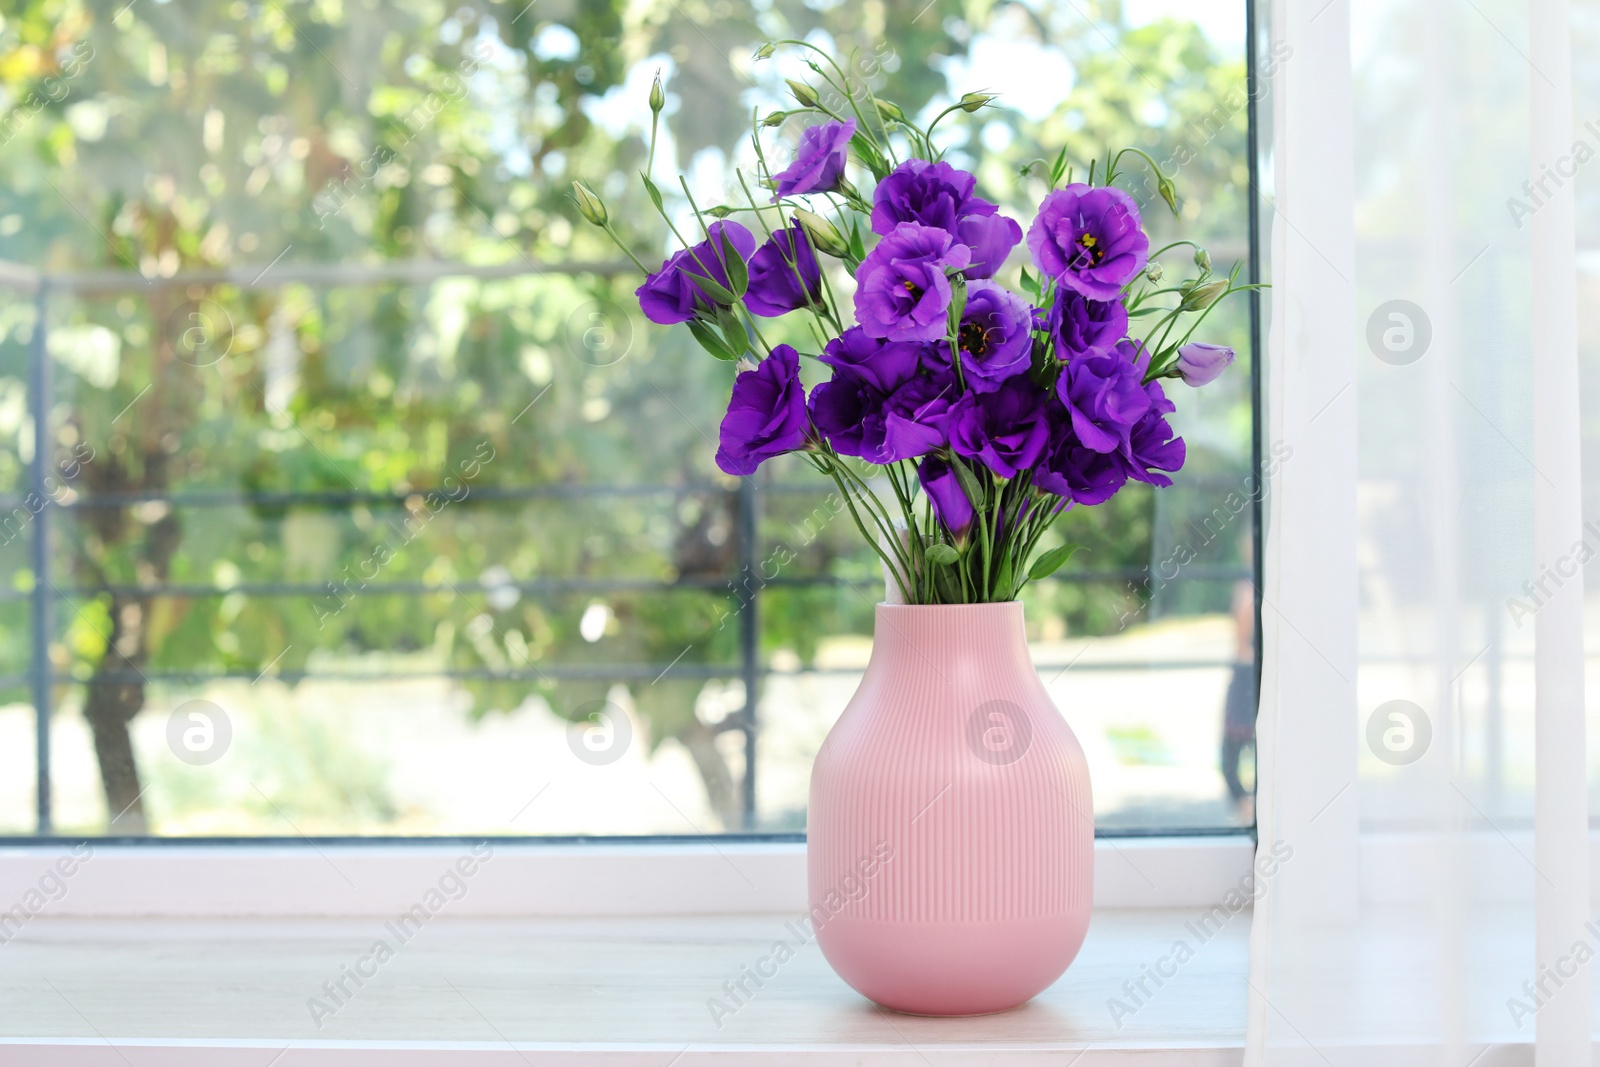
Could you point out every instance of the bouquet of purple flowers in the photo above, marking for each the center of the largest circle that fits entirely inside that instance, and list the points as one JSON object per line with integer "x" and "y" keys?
{"x": 989, "y": 410}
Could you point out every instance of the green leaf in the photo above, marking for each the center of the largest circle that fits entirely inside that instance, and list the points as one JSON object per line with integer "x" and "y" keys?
{"x": 869, "y": 155}
{"x": 714, "y": 292}
{"x": 733, "y": 330}
{"x": 958, "y": 300}
{"x": 968, "y": 482}
{"x": 655, "y": 194}
{"x": 711, "y": 341}
{"x": 1029, "y": 285}
{"x": 942, "y": 554}
{"x": 733, "y": 263}
{"x": 1051, "y": 561}
{"x": 1058, "y": 168}
{"x": 858, "y": 246}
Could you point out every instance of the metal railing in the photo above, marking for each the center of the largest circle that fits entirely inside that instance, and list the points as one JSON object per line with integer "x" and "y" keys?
{"x": 46, "y": 594}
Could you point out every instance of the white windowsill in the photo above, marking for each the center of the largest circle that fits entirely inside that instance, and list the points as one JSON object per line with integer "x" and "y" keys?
{"x": 208, "y": 957}
{"x": 221, "y": 993}
{"x": 608, "y": 953}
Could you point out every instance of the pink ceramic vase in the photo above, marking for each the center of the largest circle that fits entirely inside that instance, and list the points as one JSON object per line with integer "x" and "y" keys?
{"x": 950, "y": 841}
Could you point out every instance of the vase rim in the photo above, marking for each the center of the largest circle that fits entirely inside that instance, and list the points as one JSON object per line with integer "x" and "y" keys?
{"x": 991, "y": 605}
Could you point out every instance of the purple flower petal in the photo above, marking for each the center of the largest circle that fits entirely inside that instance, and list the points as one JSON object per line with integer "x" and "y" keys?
{"x": 1089, "y": 240}
{"x": 670, "y": 295}
{"x": 819, "y": 161}
{"x": 766, "y": 415}
{"x": 1007, "y": 429}
{"x": 1201, "y": 364}
{"x": 995, "y": 336}
{"x": 944, "y": 491}
{"x": 784, "y": 275}
{"x": 902, "y": 292}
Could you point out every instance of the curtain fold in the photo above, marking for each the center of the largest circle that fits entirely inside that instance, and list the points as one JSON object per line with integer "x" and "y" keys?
{"x": 1422, "y": 720}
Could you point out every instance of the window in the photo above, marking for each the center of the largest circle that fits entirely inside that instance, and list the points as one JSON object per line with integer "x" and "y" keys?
{"x": 347, "y": 493}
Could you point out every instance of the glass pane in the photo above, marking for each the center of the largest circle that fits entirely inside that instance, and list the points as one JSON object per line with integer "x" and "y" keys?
{"x": 376, "y": 508}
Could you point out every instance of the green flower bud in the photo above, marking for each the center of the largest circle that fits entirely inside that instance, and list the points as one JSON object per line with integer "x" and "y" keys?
{"x": 658, "y": 97}
{"x": 1203, "y": 296}
{"x": 721, "y": 211}
{"x": 973, "y": 101}
{"x": 590, "y": 206}
{"x": 1202, "y": 259}
{"x": 803, "y": 93}
{"x": 825, "y": 237}
{"x": 1168, "y": 191}
{"x": 766, "y": 50}
{"x": 775, "y": 119}
{"x": 890, "y": 112}
{"x": 1153, "y": 272}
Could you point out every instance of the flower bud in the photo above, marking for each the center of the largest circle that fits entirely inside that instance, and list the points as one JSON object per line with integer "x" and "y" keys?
{"x": 890, "y": 112}
{"x": 658, "y": 97}
{"x": 590, "y": 206}
{"x": 1168, "y": 191}
{"x": 825, "y": 237}
{"x": 1153, "y": 272}
{"x": 1199, "y": 364}
{"x": 721, "y": 211}
{"x": 1203, "y": 296}
{"x": 971, "y": 102}
{"x": 1202, "y": 259}
{"x": 766, "y": 50}
{"x": 775, "y": 119}
{"x": 803, "y": 93}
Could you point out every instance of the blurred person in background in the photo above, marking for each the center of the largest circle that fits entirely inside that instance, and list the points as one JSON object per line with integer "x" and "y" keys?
{"x": 1239, "y": 705}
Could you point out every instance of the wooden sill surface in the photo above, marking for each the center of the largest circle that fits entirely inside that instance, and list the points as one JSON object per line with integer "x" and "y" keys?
{"x": 592, "y": 991}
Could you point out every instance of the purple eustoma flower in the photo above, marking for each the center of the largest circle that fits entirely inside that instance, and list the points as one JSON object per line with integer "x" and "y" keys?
{"x": 1083, "y": 327}
{"x": 1076, "y": 473}
{"x": 902, "y": 292}
{"x": 858, "y": 419}
{"x": 995, "y": 336}
{"x": 886, "y": 365}
{"x": 767, "y": 415}
{"x": 1152, "y": 447}
{"x": 670, "y": 294}
{"x": 939, "y": 195}
{"x": 932, "y": 194}
{"x": 1089, "y": 239}
{"x": 917, "y": 417}
{"x": 991, "y": 238}
{"x": 1200, "y": 364}
{"x": 1006, "y": 429}
{"x": 819, "y": 161}
{"x": 944, "y": 491}
{"x": 1103, "y": 398}
{"x": 784, "y": 275}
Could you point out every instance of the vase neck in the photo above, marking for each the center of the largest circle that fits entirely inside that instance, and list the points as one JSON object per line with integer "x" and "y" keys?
{"x": 929, "y": 637}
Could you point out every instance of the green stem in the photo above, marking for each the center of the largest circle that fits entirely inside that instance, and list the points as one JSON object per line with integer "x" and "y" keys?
{"x": 611, "y": 233}
{"x": 880, "y": 516}
{"x": 846, "y": 493}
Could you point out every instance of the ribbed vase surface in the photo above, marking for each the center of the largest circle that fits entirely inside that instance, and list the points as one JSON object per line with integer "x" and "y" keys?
{"x": 950, "y": 840}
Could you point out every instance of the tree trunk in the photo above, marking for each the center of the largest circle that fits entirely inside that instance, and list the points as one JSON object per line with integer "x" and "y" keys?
{"x": 112, "y": 700}
{"x": 701, "y": 741}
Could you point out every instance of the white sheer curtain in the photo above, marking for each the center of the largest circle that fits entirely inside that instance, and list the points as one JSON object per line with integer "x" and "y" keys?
{"x": 1422, "y": 725}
